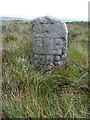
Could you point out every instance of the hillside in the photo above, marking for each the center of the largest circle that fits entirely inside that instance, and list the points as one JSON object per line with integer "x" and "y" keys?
{"x": 29, "y": 19}
{"x": 13, "y": 18}
{"x": 33, "y": 93}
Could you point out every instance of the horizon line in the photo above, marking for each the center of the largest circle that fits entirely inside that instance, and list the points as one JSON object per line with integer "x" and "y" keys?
{"x": 28, "y": 18}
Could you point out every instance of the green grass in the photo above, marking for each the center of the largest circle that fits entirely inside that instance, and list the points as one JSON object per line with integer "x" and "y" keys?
{"x": 29, "y": 92}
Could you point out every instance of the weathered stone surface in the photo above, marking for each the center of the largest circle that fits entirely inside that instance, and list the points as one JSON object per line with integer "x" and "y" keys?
{"x": 49, "y": 41}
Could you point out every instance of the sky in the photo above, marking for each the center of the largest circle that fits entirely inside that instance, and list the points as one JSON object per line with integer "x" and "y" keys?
{"x": 70, "y": 9}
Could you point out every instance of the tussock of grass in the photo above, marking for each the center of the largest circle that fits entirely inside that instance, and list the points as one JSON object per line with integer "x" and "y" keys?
{"x": 29, "y": 92}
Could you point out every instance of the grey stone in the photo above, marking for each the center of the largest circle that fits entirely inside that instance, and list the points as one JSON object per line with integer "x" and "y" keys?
{"x": 58, "y": 42}
{"x": 49, "y": 58}
{"x": 49, "y": 41}
{"x": 36, "y": 56}
{"x": 57, "y": 58}
{"x": 56, "y": 52}
{"x": 59, "y": 63}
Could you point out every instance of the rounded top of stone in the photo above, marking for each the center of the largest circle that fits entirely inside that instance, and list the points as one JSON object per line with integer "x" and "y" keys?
{"x": 51, "y": 20}
{"x": 48, "y": 18}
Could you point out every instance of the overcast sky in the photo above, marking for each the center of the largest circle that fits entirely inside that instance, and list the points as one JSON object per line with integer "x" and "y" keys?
{"x": 70, "y": 9}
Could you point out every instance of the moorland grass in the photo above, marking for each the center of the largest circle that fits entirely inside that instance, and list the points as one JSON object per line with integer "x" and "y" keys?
{"x": 34, "y": 93}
